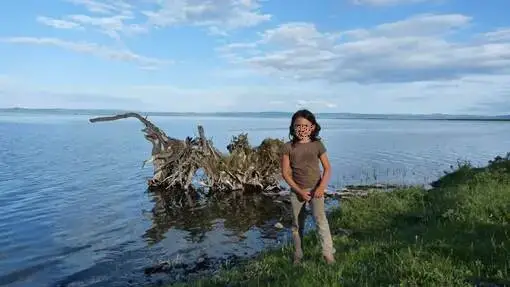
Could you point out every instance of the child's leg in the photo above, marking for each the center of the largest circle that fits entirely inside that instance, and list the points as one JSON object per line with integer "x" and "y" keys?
{"x": 319, "y": 214}
{"x": 298, "y": 224}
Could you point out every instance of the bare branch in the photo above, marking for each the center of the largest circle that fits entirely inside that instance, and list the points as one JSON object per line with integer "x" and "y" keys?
{"x": 177, "y": 162}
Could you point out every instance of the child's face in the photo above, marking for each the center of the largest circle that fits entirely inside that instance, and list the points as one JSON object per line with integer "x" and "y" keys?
{"x": 303, "y": 128}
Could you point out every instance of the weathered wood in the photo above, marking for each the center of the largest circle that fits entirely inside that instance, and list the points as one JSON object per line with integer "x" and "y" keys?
{"x": 344, "y": 193}
{"x": 176, "y": 162}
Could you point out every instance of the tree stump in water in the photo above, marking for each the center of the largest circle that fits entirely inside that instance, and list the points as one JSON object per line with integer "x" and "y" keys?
{"x": 193, "y": 163}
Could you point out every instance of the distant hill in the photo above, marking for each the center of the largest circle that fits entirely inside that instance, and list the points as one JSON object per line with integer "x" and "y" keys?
{"x": 268, "y": 114}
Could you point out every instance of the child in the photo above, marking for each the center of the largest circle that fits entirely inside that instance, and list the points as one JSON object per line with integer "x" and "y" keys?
{"x": 301, "y": 170}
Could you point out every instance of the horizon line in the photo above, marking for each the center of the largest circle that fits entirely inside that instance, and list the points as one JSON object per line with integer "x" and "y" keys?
{"x": 245, "y": 112}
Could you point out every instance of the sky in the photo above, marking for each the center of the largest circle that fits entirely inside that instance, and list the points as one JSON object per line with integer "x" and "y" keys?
{"x": 357, "y": 56}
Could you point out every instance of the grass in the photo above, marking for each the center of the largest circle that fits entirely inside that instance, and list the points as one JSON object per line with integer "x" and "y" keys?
{"x": 456, "y": 234}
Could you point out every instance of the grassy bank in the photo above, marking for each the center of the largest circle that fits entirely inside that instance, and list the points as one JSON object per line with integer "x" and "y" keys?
{"x": 457, "y": 234}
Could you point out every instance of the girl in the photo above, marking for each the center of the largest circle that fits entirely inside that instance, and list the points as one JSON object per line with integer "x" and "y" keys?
{"x": 301, "y": 170}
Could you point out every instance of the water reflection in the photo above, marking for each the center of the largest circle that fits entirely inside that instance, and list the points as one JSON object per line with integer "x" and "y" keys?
{"x": 238, "y": 214}
{"x": 219, "y": 230}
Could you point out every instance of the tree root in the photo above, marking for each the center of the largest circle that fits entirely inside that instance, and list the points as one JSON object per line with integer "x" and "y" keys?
{"x": 194, "y": 163}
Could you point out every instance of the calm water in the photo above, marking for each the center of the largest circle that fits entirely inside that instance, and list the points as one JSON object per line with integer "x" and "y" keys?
{"x": 75, "y": 212}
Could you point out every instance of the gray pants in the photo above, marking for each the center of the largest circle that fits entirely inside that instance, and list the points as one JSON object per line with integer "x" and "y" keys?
{"x": 298, "y": 224}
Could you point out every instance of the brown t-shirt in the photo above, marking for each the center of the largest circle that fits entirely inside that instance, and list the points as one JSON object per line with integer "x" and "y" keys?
{"x": 305, "y": 162}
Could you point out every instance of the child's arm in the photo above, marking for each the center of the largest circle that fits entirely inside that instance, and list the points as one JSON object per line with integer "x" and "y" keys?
{"x": 326, "y": 175}
{"x": 287, "y": 176}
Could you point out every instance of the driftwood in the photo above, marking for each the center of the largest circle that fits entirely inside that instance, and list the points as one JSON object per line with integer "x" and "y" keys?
{"x": 348, "y": 192}
{"x": 337, "y": 194}
{"x": 194, "y": 163}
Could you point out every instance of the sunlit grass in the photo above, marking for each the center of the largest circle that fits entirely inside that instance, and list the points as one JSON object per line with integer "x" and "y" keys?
{"x": 457, "y": 234}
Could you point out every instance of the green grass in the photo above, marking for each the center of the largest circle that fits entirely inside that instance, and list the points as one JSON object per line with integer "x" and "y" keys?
{"x": 457, "y": 234}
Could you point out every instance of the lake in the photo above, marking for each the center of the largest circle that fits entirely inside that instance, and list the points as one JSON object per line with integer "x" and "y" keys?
{"x": 75, "y": 210}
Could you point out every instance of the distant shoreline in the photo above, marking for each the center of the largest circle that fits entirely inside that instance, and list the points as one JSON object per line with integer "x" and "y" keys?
{"x": 97, "y": 112}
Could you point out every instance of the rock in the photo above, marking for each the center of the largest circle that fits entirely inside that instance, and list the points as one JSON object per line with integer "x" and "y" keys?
{"x": 278, "y": 225}
{"x": 158, "y": 268}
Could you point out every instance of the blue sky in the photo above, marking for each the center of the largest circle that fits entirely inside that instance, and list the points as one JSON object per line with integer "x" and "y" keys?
{"x": 366, "y": 56}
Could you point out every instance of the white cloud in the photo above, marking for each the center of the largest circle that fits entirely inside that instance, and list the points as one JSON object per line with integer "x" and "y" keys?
{"x": 104, "y": 7}
{"x": 115, "y": 25}
{"x": 310, "y": 104}
{"x": 136, "y": 97}
{"x": 422, "y": 64}
{"x": 59, "y": 24}
{"x": 112, "y": 26}
{"x": 117, "y": 18}
{"x": 315, "y": 103}
{"x": 500, "y": 35}
{"x": 415, "y": 26}
{"x": 386, "y": 2}
{"x": 218, "y": 15}
{"x": 419, "y": 48}
{"x": 473, "y": 94}
{"x": 113, "y": 19}
{"x": 90, "y": 48}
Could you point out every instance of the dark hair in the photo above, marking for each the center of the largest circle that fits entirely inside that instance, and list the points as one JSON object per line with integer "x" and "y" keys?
{"x": 306, "y": 114}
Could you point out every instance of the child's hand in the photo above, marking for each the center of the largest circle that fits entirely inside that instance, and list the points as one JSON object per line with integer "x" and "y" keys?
{"x": 306, "y": 195}
{"x": 319, "y": 192}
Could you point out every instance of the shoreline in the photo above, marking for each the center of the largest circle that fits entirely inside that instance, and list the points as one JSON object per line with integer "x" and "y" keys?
{"x": 455, "y": 234}
{"x": 205, "y": 265}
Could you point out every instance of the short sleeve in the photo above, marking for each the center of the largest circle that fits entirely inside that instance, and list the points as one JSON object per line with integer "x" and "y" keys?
{"x": 285, "y": 150}
{"x": 321, "y": 148}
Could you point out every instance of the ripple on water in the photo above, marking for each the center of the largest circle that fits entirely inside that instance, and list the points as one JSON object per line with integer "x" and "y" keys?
{"x": 73, "y": 194}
